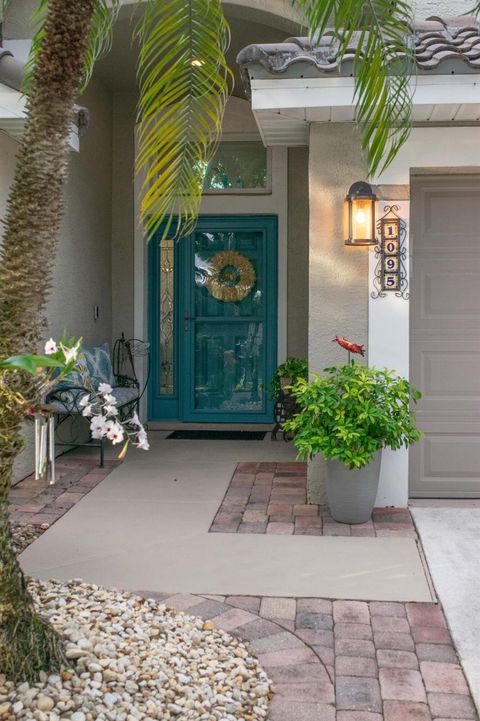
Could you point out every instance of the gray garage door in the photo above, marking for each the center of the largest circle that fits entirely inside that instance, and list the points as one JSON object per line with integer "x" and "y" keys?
{"x": 445, "y": 335}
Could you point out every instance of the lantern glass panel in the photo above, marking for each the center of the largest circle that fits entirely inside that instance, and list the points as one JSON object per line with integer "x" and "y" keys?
{"x": 362, "y": 219}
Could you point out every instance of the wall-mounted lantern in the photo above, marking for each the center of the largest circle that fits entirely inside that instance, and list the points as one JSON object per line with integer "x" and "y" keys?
{"x": 360, "y": 202}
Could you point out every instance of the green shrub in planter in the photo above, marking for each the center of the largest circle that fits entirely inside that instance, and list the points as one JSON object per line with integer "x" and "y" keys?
{"x": 294, "y": 369}
{"x": 349, "y": 415}
{"x": 352, "y": 412}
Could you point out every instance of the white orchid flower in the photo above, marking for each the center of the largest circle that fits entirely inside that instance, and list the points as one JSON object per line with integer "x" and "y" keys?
{"x": 105, "y": 388}
{"x": 98, "y": 427}
{"x": 143, "y": 444}
{"x": 142, "y": 439}
{"x": 108, "y": 398}
{"x": 50, "y": 347}
{"x": 135, "y": 420}
{"x": 110, "y": 410}
{"x": 70, "y": 353}
{"x": 115, "y": 432}
{"x": 84, "y": 400}
{"x": 87, "y": 411}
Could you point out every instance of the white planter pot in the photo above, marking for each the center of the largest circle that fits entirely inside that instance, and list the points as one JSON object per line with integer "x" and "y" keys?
{"x": 351, "y": 493}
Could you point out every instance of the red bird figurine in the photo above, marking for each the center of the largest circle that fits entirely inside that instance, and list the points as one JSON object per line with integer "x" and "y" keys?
{"x": 348, "y": 345}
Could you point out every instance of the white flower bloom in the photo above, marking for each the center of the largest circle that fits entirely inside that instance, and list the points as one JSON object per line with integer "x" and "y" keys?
{"x": 142, "y": 439}
{"x": 98, "y": 427}
{"x": 84, "y": 400}
{"x": 50, "y": 347}
{"x": 87, "y": 411}
{"x": 135, "y": 420}
{"x": 104, "y": 388}
{"x": 115, "y": 432}
{"x": 108, "y": 398}
{"x": 143, "y": 444}
{"x": 110, "y": 410}
{"x": 70, "y": 353}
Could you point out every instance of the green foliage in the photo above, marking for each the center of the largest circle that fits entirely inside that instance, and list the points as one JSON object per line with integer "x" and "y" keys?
{"x": 383, "y": 63}
{"x": 184, "y": 86}
{"x": 29, "y": 363}
{"x": 352, "y": 412}
{"x": 294, "y": 368}
{"x": 62, "y": 362}
{"x": 183, "y": 78}
{"x": 3, "y": 9}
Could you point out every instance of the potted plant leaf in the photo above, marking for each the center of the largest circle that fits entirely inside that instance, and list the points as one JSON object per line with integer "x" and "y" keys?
{"x": 288, "y": 373}
{"x": 349, "y": 415}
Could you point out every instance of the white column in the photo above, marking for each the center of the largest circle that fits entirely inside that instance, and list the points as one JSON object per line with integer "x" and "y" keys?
{"x": 388, "y": 346}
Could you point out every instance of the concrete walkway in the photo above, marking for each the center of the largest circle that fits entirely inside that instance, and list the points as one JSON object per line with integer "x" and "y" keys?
{"x": 451, "y": 539}
{"x": 146, "y": 526}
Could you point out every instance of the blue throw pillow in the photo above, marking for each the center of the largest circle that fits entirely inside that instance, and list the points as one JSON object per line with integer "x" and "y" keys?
{"x": 80, "y": 377}
{"x": 99, "y": 364}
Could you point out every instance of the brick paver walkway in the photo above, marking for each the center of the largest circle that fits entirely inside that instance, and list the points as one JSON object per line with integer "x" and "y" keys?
{"x": 272, "y": 498}
{"x": 39, "y": 504}
{"x": 328, "y": 660}
{"x": 346, "y": 660}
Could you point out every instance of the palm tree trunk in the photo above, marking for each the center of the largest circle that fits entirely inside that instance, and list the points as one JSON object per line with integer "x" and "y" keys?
{"x": 28, "y": 644}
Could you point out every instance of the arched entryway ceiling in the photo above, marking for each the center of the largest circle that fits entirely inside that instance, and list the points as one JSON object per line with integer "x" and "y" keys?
{"x": 251, "y": 21}
{"x": 262, "y": 11}
{"x": 273, "y": 13}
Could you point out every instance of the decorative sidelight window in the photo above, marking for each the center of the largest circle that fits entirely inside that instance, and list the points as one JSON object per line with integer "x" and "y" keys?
{"x": 167, "y": 310}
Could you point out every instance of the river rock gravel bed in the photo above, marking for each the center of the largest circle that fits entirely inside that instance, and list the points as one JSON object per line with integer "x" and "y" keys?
{"x": 132, "y": 659}
{"x": 24, "y": 534}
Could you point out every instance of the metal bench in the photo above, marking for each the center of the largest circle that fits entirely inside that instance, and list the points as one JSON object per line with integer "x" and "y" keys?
{"x": 71, "y": 428}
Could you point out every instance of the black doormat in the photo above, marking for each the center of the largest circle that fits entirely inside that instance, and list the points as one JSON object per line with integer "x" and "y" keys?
{"x": 217, "y": 435}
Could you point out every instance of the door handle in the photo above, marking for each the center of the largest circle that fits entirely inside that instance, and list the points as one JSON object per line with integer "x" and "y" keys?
{"x": 186, "y": 319}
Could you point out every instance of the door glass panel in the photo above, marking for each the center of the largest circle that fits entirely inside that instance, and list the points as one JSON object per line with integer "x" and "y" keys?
{"x": 229, "y": 366}
{"x": 166, "y": 316}
{"x": 229, "y": 274}
{"x": 229, "y": 321}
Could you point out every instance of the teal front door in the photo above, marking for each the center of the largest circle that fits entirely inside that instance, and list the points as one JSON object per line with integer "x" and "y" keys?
{"x": 213, "y": 321}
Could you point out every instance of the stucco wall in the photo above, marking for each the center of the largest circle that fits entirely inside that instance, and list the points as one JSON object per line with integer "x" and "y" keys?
{"x": 440, "y": 8}
{"x": 123, "y": 213}
{"x": 298, "y": 237}
{"x": 338, "y": 275}
{"x": 82, "y": 275}
{"x": 8, "y": 149}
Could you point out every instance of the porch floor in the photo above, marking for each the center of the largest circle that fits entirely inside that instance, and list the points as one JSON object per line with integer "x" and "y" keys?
{"x": 146, "y": 526}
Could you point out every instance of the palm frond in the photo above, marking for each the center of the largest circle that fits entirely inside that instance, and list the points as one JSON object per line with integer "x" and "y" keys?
{"x": 3, "y": 12}
{"x": 3, "y": 9}
{"x": 377, "y": 31}
{"x": 184, "y": 86}
{"x": 106, "y": 12}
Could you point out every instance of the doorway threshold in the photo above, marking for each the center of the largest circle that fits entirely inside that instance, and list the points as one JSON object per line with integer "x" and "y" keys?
{"x": 178, "y": 426}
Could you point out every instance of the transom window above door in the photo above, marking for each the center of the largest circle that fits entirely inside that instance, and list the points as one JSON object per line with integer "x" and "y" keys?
{"x": 238, "y": 167}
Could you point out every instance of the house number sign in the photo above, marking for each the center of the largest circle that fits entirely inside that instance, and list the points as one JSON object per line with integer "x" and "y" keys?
{"x": 390, "y": 271}
{"x": 390, "y": 239}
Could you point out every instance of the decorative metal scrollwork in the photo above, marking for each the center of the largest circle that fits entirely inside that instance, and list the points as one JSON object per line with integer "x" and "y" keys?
{"x": 391, "y": 275}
